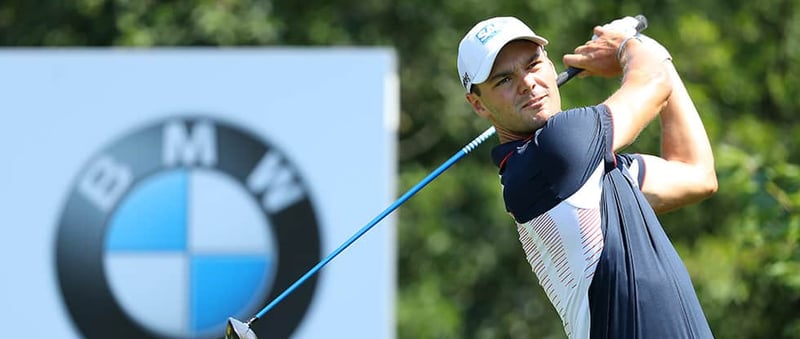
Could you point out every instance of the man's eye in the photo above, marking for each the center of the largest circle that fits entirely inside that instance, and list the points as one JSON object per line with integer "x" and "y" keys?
{"x": 502, "y": 81}
{"x": 533, "y": 65}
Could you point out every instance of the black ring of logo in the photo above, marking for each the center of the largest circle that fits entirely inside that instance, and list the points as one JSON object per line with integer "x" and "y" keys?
{"x": 82, "y": 227}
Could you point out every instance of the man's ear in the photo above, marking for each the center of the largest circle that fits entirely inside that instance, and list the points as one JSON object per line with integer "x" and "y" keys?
{"x": 477, "y": 105}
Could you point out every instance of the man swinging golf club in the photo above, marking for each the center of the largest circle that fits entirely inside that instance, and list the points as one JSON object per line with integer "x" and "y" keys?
{"x": 586, "y": 215}
{"x": 583, "y": 211}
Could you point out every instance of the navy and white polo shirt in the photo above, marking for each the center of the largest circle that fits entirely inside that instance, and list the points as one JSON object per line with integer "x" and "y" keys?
{"x": 590, "y": 235}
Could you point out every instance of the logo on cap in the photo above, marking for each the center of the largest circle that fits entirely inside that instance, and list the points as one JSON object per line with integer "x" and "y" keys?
{"x": 465, "y": 80}
{"x": 486, "y": 33}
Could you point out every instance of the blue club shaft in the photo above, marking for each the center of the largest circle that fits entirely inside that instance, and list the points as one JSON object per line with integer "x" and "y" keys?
{"x": 410, "y": 193}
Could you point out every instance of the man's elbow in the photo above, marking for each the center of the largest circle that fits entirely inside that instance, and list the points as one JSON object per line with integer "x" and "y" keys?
{"x": 702, "y": 186}
{"x": 708, "y": 186}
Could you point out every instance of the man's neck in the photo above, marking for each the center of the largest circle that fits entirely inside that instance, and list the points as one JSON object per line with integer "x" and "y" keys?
{"x": 509, "y": 136}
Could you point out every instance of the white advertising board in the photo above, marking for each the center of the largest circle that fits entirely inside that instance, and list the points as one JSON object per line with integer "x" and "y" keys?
{"x": 155, "y": 192}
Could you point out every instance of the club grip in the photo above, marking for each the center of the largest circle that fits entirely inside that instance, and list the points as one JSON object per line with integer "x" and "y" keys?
{"x": 564, "y": 76}
{"x": 571, "y": 72}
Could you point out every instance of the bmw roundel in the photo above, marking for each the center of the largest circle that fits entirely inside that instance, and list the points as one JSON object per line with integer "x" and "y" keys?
{"x": 174, "y": 227}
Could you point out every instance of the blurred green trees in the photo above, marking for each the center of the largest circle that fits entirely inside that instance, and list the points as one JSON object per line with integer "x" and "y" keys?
{"x": 461, "y": 272}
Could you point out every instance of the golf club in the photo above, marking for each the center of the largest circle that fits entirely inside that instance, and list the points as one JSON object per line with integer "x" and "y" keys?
{"x": 239, "y": 330}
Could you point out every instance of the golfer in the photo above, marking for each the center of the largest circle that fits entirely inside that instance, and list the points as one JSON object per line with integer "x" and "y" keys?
{"x": 586, "y": 214}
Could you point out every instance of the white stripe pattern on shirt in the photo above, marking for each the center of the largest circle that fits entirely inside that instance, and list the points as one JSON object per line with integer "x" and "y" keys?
{"x": 563, "y": 253}
{"x": 563, "y": 246}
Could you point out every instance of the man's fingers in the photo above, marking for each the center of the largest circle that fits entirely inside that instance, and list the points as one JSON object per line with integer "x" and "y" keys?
{"x": 598, "y": 31}
{"x": 579, "y": 57}
{"x": 585, "y": 74}
{"x": 580, "y": 61}
{"x": 582, "y": 55}
{"x": 576, "y": 60}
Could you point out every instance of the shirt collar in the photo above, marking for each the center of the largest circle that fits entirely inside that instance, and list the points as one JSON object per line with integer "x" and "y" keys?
{"x": 502, "y": 152}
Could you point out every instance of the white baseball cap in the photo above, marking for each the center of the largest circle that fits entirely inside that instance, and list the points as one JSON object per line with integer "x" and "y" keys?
{"x": 479, "y": 48}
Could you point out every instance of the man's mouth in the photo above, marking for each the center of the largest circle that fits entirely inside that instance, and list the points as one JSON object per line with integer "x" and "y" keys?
{"x": 534, "y": 103}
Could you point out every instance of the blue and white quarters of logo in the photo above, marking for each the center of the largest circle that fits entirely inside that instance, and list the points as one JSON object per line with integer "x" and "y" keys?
{"x": 178, "y": 226}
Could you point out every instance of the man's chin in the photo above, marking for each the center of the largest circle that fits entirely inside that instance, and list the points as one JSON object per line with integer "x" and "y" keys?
{"x": 542, "y": 116}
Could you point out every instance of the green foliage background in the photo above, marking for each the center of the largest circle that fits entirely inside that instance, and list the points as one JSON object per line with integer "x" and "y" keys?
{"x": 461, "y": 272}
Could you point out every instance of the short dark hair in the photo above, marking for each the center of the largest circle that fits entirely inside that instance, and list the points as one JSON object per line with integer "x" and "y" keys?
{"x": 474, "y": 89}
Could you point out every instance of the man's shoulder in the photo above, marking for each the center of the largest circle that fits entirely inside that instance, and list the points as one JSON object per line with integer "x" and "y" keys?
{"x": 568, "y": 131}
{"x": 595, "y": 111}
{"x": 574, "y": 128}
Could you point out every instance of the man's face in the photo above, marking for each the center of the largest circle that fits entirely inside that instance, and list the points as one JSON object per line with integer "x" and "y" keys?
{"x": 521, "y": 92}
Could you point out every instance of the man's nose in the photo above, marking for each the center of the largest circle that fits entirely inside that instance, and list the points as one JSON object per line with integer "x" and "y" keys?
{"x": 528, "y": 80}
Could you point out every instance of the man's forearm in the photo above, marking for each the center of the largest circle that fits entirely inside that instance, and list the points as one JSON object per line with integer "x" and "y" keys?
{"x": 644, "y": 91}
{"x": 684, "y": 173}
{"x": 683, "y": 136}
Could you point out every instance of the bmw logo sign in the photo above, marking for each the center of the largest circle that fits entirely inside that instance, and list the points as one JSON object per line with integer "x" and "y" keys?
{"x": 174, "y": 227}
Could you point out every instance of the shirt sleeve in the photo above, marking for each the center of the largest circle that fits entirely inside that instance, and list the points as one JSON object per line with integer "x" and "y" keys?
{"x": 575, "y": 142}
{"x": 540, "y": 173}
{"x": 634, "y": 164}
